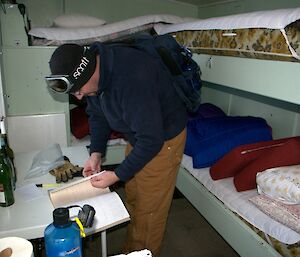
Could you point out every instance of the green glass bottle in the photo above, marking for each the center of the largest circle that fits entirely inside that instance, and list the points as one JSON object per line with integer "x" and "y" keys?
{"x": 6, "y": 187}
{"x": 9, "y": 154}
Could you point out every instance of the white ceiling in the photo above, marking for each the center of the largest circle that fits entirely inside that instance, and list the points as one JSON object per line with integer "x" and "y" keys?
{"x": 204, "y": 2}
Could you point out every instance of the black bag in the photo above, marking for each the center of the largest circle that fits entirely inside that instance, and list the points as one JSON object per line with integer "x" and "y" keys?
{"x": 178, "y": 60}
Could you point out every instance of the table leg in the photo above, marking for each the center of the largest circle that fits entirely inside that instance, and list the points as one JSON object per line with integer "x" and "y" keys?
{"x": 103, "y": 243}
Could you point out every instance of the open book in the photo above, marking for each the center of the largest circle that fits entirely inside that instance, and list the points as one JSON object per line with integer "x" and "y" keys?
{"x": 110, "y": 210}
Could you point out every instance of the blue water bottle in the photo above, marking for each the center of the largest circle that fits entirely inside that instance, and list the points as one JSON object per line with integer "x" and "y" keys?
{"x": 62, "y": 237}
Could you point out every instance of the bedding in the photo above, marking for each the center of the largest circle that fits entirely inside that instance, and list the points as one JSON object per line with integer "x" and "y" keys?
{"x": 271, "y": 35}
{"x": 107, "y": 32}
{"x": 241, "y": 156}
{"x": 239, "y": 203}
{"x": 209, "y": 139}
{"x": 287, "y": 154}
{"x": 281, "y": 184}
{"x": 77, "y": 21}
{"x": 288, "y": 215}
{"x": 207, "y": 110}
{"x": 245, "y": 161}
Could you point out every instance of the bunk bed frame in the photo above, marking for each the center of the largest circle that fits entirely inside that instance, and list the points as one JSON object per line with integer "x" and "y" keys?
{"x": 237, "y": 234}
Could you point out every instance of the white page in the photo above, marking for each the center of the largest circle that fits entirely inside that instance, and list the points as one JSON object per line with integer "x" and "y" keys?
{"x": 110, "y": 211}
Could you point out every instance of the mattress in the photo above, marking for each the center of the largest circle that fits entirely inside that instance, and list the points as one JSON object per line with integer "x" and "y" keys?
{"x": 239, "y": 203}
{"x": 271, "y": 35}
{"x": 107, "y": 32}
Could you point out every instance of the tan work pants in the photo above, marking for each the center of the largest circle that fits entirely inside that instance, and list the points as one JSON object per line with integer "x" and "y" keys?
{"x": 149, "y": 194}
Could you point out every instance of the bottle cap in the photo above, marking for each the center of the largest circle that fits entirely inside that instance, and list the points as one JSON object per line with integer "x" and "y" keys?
{"x": 61, "y": 216}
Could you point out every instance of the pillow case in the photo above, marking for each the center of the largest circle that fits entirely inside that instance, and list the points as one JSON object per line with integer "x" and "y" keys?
{"x": 233, "y": 162}
{"x": 284, "y": 155}
{"x": 281, "y": 184}
{"x": 288, "y": 215}
{"x": 77, "y": 21}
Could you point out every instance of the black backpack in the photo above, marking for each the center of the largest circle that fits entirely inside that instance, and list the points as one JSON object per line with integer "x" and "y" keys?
{"x": 178, "y": 60}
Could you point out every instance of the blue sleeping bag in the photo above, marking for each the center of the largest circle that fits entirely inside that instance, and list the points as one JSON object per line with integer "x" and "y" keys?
{"x": 209, "y": 139}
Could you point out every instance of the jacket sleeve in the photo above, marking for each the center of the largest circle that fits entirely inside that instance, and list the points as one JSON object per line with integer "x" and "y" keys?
{"x": 99, "y": 127}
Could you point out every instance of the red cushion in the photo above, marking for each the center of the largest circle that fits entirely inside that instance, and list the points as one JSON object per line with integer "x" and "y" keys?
{"x": 232, "y": 163}
{"x": 284, "y": 155}
{"x": 79, "y": 122}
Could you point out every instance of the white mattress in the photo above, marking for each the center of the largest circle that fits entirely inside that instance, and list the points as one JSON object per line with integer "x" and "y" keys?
{"x": 57, "y": 33}
{"x": 274, "y": 19}
{"x": 238, "y": 202}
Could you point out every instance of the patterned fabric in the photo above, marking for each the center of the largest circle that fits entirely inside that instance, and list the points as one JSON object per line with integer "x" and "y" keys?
{"x": 288, "y": 215}
{"x": 268, "y": 44}
{"x": 285, "y": 250}
{"x": 281, "y": 184}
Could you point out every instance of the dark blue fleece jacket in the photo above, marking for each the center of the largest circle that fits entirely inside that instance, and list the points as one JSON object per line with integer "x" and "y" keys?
{"x": 135, "y": 97}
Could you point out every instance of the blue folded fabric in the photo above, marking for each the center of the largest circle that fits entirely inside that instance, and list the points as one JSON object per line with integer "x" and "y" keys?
{"x": 209, "y": 139}
{"x": 207, "y": 110}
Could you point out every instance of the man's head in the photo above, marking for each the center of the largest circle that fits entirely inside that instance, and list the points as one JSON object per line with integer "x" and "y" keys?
{"x": 71, "y": 68}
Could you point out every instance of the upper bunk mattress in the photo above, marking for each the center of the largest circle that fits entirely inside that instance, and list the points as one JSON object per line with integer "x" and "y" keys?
{"x": 273, "y": 35}
{"x": 107, "y": 32}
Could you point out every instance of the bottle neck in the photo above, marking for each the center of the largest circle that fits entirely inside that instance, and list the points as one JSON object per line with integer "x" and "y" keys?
{"x": 2, "y": 156}
{"x": 63, "y": 225}
{"x": 2, "y": 144}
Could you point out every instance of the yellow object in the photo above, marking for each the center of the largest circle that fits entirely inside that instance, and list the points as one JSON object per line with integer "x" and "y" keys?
{"x": 48, "y": 185}
{"x": 82, "y": 234}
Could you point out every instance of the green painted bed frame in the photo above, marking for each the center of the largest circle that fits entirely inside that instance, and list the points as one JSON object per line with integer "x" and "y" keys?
{"x": 240, "y": 236}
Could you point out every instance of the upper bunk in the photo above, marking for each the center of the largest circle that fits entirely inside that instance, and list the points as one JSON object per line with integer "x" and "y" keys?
{"x": 268, "y": 41}
{"x": 268, "y": 35}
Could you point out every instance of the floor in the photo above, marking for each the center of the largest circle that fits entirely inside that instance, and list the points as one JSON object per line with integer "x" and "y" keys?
{"x": 187, "y": 235}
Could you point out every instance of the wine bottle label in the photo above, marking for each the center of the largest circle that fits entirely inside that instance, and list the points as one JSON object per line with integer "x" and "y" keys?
{"x": 2, "y": 194}
{"x": 2, "y": 127}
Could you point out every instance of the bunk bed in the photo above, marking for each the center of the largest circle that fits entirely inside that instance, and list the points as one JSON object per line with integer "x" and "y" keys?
{"x": 248, "y": 230}
{"x": 272, "y": 37}
{"x": 218, "y": 42}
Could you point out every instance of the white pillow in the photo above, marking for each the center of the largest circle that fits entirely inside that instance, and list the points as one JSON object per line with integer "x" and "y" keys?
{"x": 77, "y": 21}
{"x": 281, "y": 183}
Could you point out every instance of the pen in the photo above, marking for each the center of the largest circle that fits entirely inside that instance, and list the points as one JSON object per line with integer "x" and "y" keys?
{"x": 48, "y": 185}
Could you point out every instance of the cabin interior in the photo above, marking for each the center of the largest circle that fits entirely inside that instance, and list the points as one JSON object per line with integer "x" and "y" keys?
{"x": 240, "y": 86}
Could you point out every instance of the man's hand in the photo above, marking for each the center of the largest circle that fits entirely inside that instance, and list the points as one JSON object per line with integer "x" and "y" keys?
{"x": 104, "y": 179}
{"x": 92, "y": 165}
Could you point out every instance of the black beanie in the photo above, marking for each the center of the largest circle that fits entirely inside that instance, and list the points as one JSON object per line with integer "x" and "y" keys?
{"x": 73, "y": 60}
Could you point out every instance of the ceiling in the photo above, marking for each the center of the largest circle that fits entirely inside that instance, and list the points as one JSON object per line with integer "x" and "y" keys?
{"x": 205, "y": 2}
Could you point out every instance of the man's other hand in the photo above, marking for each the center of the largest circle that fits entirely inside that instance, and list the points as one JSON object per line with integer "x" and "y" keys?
{"x": 105, "y": 179}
